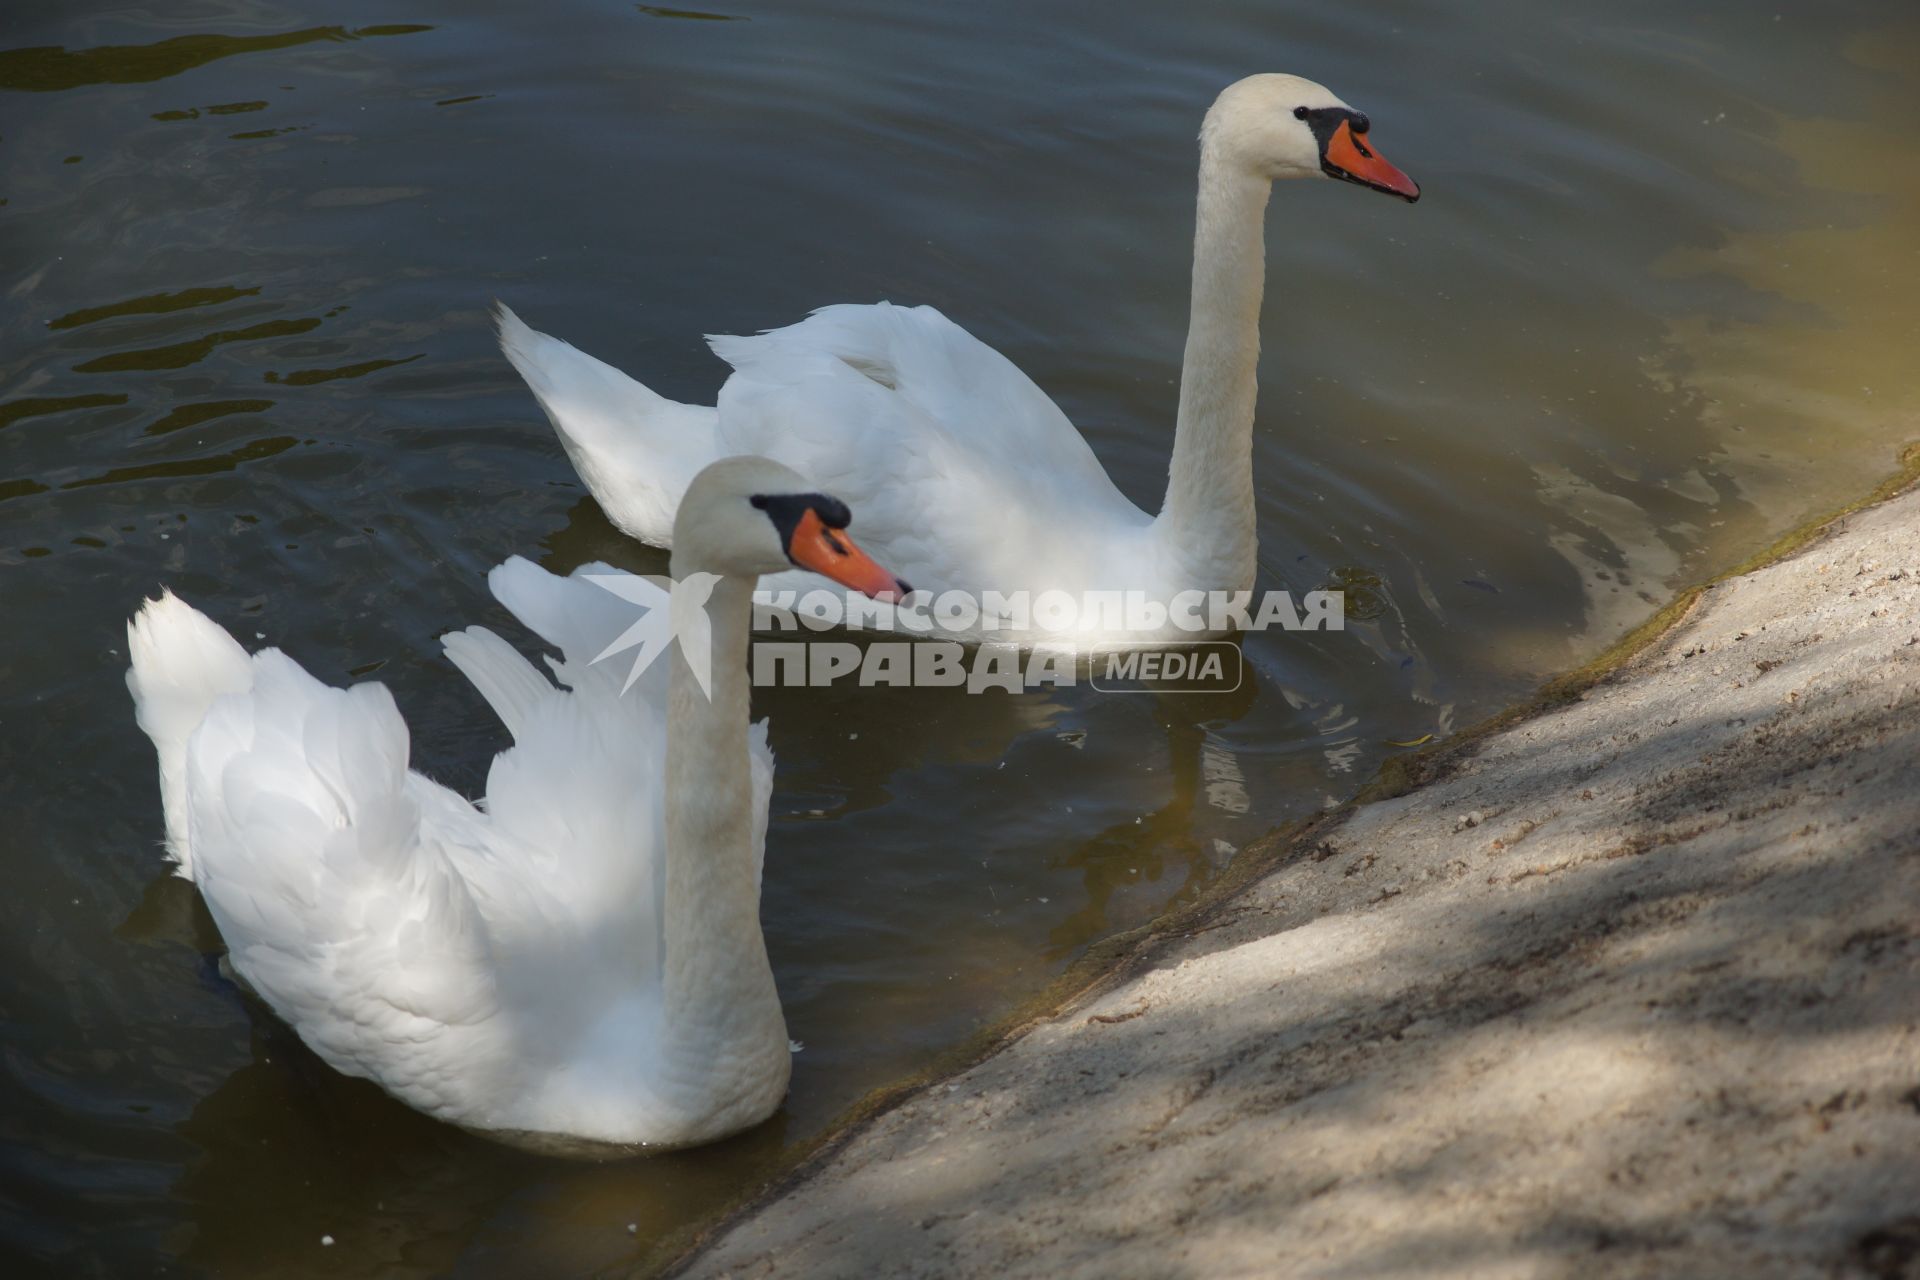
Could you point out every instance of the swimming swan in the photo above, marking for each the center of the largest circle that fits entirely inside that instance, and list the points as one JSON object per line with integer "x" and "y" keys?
{"x": 966, "y": 475}
{"x": 574, "y": 961}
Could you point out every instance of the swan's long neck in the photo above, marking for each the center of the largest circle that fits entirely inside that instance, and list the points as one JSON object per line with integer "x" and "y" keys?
{"x": 1207, "y": 522}
{"x": 723, "y": 1020}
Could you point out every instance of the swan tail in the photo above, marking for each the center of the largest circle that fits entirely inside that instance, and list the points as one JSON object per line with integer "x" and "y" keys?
{"x": 636, "y": 450}
{"x": 182, "y": 663}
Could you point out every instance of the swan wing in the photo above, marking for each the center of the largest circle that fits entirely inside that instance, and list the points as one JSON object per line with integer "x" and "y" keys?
{"x": 618, "y": 768}
{"x": 334, "y": 876}
{"x": 900, "y": 412}
{"x": 962, "y": 388}
{"x": 962, "y": 471}
{"x": 580, "y": 791}
{"x": 457, "y": 956}
{"x": 485, "y": 964}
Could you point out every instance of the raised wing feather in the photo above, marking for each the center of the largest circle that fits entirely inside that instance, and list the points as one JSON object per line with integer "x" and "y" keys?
{"x": 962, "y": 471}
{"x": 336, "y": 904}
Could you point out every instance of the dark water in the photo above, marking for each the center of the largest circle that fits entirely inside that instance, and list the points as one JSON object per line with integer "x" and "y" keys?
{"x": 1655, "y": 306}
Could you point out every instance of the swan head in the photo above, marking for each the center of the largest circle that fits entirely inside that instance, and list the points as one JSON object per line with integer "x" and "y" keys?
{"x": 1278, "y": 126}
{"x": 746, "y": 516}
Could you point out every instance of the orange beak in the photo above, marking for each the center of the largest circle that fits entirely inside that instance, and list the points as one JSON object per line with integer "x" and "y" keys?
{"x": 831, "y": 554}
{"x": 1348, "y": 155}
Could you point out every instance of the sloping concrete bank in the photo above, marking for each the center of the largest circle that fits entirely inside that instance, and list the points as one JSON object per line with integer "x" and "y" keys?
{"x": 1631, "y": 986}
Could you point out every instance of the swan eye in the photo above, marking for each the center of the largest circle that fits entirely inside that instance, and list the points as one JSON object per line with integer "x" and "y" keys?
{"x": 1300, "y": 113}
{"x": 790, "y": 511}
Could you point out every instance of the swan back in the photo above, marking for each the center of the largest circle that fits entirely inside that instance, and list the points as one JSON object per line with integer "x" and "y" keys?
{"x": 961, "y": 471}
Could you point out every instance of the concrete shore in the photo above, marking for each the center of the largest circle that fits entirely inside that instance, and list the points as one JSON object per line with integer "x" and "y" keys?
{"x": 1630, "y": 986}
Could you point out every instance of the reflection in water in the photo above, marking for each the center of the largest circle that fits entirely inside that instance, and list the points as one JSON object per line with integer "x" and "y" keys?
{"x": 218, "y": 109}
{"x": 253, "y": 1210}
{"x": 20, "y": 489}
{"x": 1651, "y": 310}
{"x": 1138, "y": 867}
{"x": 34, "y": 406}
{"x": 1808, "y": 381}
{"x": 398, "y": 1192}
{"x": 653, "y": 11}
{"x": 179, "y": 355}
{"x": 152, "y": 304}
{"x": 50, "y": 70}
{"x": 183, "y": 416}
{"x": 308, "y": 377}
{"x": 252, "y": 451}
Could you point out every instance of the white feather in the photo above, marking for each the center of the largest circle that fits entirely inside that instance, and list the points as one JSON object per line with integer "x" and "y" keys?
{"x": 497, "y": 966}
{"x": 965, "y": 475}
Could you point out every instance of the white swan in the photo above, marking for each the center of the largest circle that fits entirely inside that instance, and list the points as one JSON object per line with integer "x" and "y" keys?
{"x": 922, "y": 427}
{"x": 578, "y": 959}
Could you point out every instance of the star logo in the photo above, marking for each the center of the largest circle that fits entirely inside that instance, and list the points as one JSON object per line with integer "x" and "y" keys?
{"x": 676, "y": 611}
